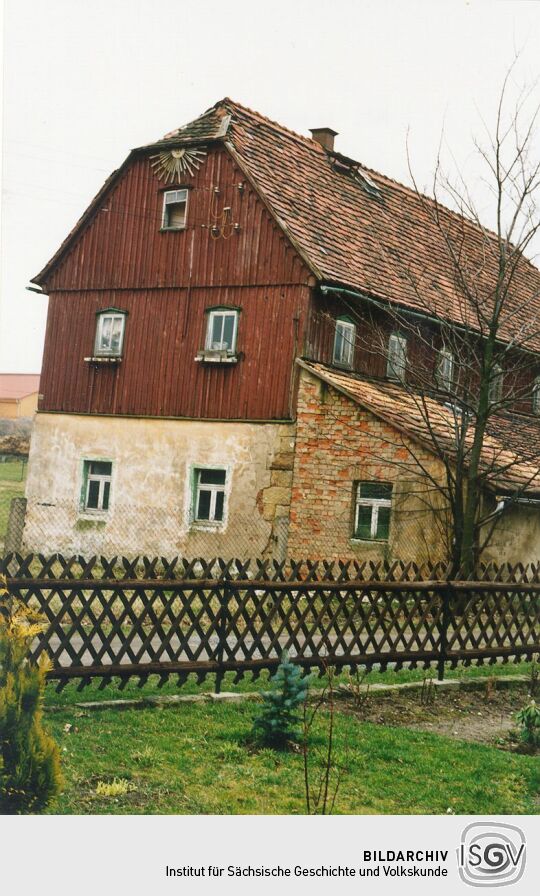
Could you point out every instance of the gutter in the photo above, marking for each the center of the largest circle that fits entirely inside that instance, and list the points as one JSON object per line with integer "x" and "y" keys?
{"x": 386, "y": 304}
{"x": 382, "y": 304}
{"x": 509, "y": 501}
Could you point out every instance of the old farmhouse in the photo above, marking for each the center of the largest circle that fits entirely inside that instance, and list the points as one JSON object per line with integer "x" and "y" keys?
{"x": 249, "y": 352}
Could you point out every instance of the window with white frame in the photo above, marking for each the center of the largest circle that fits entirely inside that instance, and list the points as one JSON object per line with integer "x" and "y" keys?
{"x": 221, "y": 330}
{"x": 373, "y": 504}
{"x": 397, "y": 357}
{"x": 495, "y": 384}
{"x": 209, "y": 496}
{"x": 110, "y": 328}
{"x": 174, "y": 209}
{"x": 445, "y": 370}
{"x": 344, "y": 340}
{"x": 536, "y": 396}
{"x": 97, "y": 475}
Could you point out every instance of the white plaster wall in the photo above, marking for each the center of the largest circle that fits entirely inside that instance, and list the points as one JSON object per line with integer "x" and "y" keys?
{"x": 516, "y": 538}
{"x": 151, "y": 495}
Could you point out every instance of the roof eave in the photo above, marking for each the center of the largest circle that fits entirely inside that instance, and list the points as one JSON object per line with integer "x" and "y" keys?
{"x": 384, "y": 303}
{"x": 364, "y": 404}
{"x": 41, "y": 278}
{"x": 177, "y": 141}
{"x": 494, "y": 486}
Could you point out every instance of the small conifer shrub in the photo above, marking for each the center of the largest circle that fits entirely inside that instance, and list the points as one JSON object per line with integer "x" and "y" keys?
{"x": 528, "y": 719}
{"x": 30, "y": 774}
{"x": 277, "y": 723}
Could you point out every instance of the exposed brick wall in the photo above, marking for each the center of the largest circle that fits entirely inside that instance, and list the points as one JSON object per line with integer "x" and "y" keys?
{"x": 337, "y": 444}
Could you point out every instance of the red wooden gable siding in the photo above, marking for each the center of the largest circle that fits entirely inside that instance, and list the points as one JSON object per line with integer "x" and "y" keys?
{"x": 166, "y": 281}
{"x": 123, "y": 248}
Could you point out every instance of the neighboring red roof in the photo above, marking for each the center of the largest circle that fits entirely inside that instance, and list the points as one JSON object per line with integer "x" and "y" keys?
{"x": 18, "y": 385}
{"x": 374, "y": 236}
{"x": 508, "y": 464}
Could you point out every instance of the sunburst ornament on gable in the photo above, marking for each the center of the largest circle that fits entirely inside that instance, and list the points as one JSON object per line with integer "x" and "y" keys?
{"x": 171, "y": 164}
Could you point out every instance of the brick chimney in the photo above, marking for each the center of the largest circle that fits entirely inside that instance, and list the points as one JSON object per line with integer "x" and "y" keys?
{"x": 324, "y": 136}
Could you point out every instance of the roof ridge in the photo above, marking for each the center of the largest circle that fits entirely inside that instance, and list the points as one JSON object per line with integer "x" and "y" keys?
{"x": 410, "y": 191}
{"x": 170, "y": 135}
{"x": 312, "y": 144}
{"x": 308, "y": 141}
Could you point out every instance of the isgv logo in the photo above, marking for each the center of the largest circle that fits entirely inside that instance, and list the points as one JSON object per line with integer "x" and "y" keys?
{"x": 491, "y": 854}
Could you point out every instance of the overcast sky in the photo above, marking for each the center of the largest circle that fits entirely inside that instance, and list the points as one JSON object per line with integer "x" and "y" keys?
{"x": 86, "y": 81}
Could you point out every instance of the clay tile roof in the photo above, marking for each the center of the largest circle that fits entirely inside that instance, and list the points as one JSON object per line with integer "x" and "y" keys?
{"x": 353, "y": 226}
{"x": 208, "y": 126}
{"x": 510, "y": 451}
{"x": 375, "y": 236}
{"x": 18, "y": 385}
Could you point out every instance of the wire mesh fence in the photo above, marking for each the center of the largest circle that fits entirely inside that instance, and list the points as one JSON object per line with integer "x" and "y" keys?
{"x": 130, "y": 530}
{"x": 346, "y": 524}
{"x": 13, "y": 470}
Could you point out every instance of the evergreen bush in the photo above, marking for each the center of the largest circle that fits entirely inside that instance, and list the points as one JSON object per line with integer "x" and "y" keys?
{"x": 277, "y": 723}
{"x": 30, "y": 774}
{"x": 528, "y": 719}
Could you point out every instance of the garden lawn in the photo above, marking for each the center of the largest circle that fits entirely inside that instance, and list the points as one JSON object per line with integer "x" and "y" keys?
{"x": 12, "y": 485}
{"x": 13, "y": 471}
{"x": 192, "y": 759}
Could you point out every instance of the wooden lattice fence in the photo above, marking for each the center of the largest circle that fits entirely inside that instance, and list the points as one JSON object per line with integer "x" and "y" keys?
{"x": 118, "y": 617}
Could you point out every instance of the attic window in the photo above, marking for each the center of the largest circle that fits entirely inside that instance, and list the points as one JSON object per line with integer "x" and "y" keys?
{"x": 174, "y": 209}
{"x": 365, "y": 181}
{"x": 348, "y": 166}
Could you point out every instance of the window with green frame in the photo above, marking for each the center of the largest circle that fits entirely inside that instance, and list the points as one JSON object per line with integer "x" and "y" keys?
{"x": 97, "y": 476}
{"x": 373, "y": 505}
{"x": 209, "y": 495}
{"x": 344, "y": 342}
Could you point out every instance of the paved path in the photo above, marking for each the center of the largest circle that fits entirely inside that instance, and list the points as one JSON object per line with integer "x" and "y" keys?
{"x": 172, "y": 648}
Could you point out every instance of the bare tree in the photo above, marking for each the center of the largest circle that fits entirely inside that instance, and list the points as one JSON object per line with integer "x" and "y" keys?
{"x": 321, "y": 795}
{"x": 476, "y": 362}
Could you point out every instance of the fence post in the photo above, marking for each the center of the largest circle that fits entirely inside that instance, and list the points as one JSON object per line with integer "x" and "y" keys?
{"x": 446, "y": 594}
{"x": 224, "y": 596}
